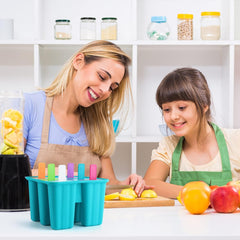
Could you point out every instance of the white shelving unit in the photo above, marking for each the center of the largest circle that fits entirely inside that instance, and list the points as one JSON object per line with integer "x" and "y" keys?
{"x": 34, "y": 58}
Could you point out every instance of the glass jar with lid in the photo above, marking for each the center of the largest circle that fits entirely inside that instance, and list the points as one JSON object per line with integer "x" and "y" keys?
{"x": 109, "y": 28}
{"x": 63, "y": 29}
{"x": 158, "y": 29}
{"x": 88, "y": 28}
{"x": 185, "y": 26}
{"x": 210, "y": 26}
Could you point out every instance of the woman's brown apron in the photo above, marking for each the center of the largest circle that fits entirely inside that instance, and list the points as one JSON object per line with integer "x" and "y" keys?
{"x": 63, "y": 154}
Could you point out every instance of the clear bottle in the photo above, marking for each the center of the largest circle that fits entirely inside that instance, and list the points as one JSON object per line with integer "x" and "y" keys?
{"x": 63, "y": 29}
{"x": 185, "y": 26}
{"x": 88, "y": 28}
{"x": 210, "y": 26}
{"x": 11, "y": 124}
{"x": 158, "y": 29}
{"x": 109, "y": 28}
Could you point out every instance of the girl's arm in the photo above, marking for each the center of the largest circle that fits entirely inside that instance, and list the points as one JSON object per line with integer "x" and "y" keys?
{"x": 156, "y": 175}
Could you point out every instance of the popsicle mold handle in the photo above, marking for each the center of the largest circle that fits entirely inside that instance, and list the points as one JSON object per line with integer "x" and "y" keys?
{"x": 51, "y": 172}
{"x": 93, "y": 172}
{"x": 81, "y": 171}
{"x": 70, "y": 171}
{"x": 41, "y": 170}
{"x": 62, "y": 173}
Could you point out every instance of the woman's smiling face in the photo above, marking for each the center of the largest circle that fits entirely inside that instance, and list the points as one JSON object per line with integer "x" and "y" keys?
{"x": 94, "y": 82}
{"x": 181, "y": 117}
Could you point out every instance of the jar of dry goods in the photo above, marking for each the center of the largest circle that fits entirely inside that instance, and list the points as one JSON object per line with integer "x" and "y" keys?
{"x": 88, "y": 28}
{"x": 210, "y": 26}
{"x": 63, "y": 29}
{"x": 109, "y": 28}
{"x": 158, "y": 29}
{"x": 185, "y": 26}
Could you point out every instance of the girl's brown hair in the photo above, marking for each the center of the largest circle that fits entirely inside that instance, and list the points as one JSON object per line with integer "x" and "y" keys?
{"x": 187, "y": 84}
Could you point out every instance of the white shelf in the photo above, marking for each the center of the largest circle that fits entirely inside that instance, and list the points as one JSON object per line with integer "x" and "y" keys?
{"x": 183, "y": 43}
{"x": 118, "y": 42}
{"x": 34, "y": 58}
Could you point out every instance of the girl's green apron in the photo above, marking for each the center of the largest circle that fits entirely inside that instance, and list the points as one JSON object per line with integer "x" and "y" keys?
{"x": 211, "y": 178}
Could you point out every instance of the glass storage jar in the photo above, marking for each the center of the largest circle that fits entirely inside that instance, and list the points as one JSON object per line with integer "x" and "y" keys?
{"x": 185, "y": 26}
{"x": 63, "y": 29}
{"x": 109, "y": 28}
{"x": 210, "y": 26}
{"x": 88, "y": 28}
{"x": 158, "y": 29}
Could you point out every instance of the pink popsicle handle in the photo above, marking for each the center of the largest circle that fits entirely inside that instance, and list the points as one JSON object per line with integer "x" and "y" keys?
{"x": 93, "y": 172}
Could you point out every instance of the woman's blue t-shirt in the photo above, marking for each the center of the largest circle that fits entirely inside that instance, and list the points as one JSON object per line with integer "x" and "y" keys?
{"x": 32, "y": 127}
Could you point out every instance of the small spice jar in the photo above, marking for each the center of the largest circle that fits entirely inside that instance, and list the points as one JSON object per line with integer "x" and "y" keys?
{"x": 185, "y": 26}
{"x": 88, "y": 28}
{"x": 210, "y": 26}
{"x": 63, "y": 29}
{"x": 109, "y": 28}
{"x": 158, "y": 29}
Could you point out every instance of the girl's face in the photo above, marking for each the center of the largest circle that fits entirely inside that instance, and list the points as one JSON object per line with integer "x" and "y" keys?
{"x": 95, "y": 82}
{"x": 181, "y": 117}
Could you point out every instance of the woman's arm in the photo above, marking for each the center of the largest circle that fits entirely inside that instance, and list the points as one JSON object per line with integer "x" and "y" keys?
{"x": 25, "y": 143}
{"x": 107, "y": 171}
{"x": 156, "y": 175}
{"x": 133, "y": 179}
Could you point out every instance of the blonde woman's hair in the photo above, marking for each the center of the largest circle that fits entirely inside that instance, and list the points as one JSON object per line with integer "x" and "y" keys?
{"x": 97, "y": 118}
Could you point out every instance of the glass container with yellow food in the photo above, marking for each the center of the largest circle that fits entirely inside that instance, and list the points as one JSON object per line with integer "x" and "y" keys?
{"x": 14, "y": 164}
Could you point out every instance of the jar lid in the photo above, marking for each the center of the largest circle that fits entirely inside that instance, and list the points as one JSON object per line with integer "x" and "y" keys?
{"x": 109, "y": 18}
{"x": 185, "y": 16}
{"x": 62, "y": 20}
{"x": 88, "y": 18}
{"x": 159, "y": 19}
{"x": 210, "y": 13}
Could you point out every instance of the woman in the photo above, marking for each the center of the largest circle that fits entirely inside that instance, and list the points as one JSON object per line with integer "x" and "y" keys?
{"x": 71, "y": 120}
{"x": 199, "y": 150}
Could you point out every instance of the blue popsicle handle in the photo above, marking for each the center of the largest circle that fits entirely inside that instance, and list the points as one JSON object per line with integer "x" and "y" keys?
{"x": 81, "y": 171}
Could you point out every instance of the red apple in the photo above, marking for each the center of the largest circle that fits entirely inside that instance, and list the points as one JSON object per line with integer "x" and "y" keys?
{"x": 224, "y": 199}
{"x": 236, "y": 184}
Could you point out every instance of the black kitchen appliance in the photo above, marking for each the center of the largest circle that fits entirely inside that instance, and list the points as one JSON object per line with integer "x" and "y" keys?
{"x": 14, "y": 194}
{"x": 14, "y": 164}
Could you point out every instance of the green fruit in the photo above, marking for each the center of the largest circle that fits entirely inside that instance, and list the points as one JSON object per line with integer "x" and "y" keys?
{"x": 10, "y": 144}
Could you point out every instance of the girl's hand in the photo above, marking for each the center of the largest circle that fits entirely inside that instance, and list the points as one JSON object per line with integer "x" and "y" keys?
{"x": 138, "y": 182}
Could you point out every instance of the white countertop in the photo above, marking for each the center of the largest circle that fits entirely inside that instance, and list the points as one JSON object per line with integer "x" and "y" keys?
{"x": 172, "y": 223}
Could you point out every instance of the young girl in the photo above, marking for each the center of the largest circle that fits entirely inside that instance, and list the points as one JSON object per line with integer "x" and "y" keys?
{"x": 199, "y": 149}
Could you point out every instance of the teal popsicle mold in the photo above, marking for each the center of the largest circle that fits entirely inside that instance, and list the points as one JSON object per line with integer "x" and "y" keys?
{"x": 61, "y": 204}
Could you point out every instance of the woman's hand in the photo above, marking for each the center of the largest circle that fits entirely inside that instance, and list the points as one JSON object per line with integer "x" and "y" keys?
{"x": 138, "y": 182}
